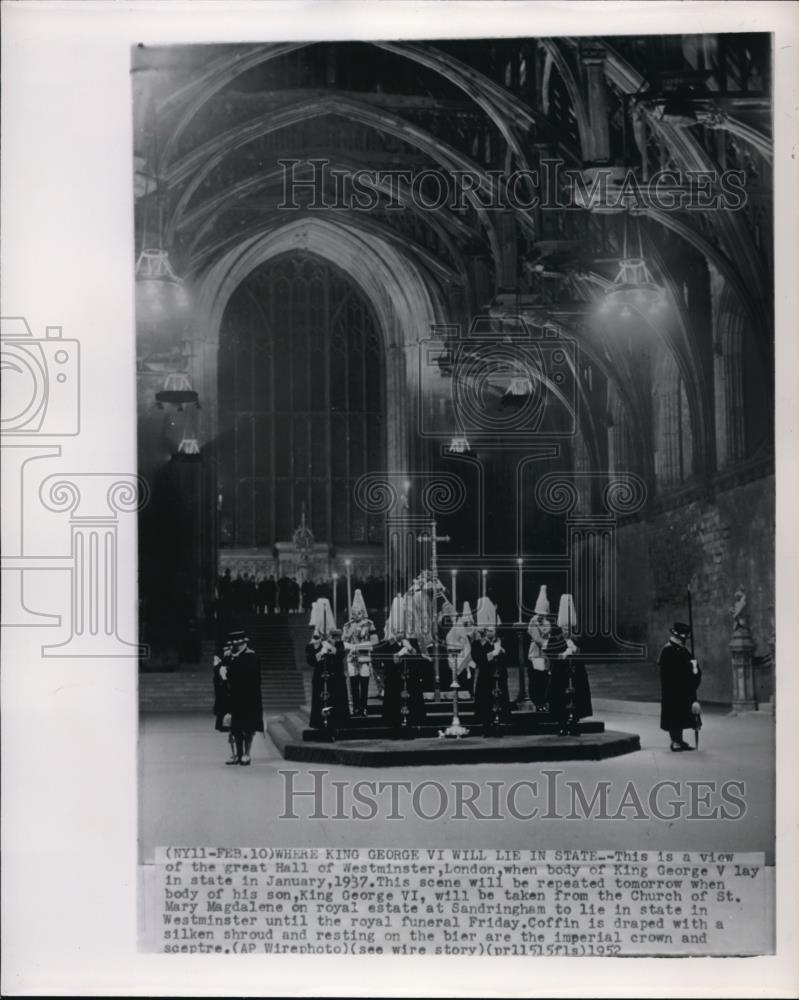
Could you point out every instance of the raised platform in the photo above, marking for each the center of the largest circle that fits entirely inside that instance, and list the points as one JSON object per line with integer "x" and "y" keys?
{"x": 366, "y": 743}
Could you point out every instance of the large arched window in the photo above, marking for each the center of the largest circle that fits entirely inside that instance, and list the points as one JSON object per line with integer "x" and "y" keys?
{"x": 742, "y": 396}
{"x": 673, "y": 440}
{"x": 301, "y": 405}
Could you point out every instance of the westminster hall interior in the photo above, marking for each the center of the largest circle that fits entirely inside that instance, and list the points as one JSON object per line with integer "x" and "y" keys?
{"x": 489, "y": 322}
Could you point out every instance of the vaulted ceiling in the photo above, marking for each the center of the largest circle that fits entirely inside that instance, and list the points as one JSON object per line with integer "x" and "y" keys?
{"x": 217, "y": 129}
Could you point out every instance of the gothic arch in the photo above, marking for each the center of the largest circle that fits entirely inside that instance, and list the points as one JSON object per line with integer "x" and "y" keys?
{"x": 404, "y": 303}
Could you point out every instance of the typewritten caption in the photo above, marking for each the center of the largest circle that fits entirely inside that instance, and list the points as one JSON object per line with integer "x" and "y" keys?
{"x": 423, "y": 901}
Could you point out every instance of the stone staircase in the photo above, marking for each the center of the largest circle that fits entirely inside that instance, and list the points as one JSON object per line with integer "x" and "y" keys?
{"x": 190, "y": 689}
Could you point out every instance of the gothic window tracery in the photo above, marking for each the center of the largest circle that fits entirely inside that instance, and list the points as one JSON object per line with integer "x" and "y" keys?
{"x": 301, "y": 404}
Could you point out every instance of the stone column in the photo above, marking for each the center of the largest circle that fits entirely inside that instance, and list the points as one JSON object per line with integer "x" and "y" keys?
{"x": 741, "y": 647}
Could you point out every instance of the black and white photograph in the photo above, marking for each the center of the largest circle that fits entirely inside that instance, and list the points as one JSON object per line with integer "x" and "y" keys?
{"x": 456, "y": 409}
{"x": 435, "y": 547}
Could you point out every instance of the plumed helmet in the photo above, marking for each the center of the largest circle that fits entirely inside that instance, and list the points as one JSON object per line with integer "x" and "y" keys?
{"x": 542, "y": 603}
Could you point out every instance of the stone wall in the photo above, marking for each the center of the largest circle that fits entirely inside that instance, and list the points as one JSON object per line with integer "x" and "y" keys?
{"x": 713, "y": 547}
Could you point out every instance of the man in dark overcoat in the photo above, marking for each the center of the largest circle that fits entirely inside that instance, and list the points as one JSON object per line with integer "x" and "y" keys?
{"x": 244, "y": 686}
{"x": 680, "y": 678}
{"x": 222, "y": 698}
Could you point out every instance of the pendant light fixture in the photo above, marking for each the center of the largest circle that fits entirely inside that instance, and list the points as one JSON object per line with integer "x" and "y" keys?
{"x": 633, "y": 288}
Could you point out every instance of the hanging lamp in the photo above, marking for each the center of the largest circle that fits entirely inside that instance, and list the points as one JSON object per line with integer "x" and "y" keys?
{"x": 633, "y": 287}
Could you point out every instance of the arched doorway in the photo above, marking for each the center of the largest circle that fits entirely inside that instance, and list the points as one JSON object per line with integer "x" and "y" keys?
{"x": 301, "y": 395}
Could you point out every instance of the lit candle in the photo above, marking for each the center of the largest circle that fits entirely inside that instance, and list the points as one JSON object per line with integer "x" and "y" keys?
{"x": 519, "y": 587}
{"x": 335, "y": 597}
{"x": 454, "y": 574}
{"x": 348, "y": 564}
{"x": 485, "y": 577}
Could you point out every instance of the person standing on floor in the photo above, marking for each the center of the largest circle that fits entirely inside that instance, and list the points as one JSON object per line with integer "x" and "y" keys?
{"x": 680, "y": 678}
{"x": 246, "y": 707}
{"x": 222, "y": 698}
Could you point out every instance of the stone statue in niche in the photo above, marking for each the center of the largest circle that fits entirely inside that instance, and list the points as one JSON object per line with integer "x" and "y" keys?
{"x": 738, "y": 611}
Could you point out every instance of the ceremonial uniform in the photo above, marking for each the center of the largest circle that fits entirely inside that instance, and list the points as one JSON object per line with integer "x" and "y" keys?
{"x": 569, "y": 690}
{"x": 359, "y": 637}
{"x": 328, "y": 685}
{"x": 403, "y": 702}
{"x": 680, "y": 678}
{"x": 491, "y": 700}
{"x": 538, "y": 672}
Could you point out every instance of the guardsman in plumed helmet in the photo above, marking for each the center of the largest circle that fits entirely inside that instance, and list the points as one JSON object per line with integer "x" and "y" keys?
{"x": 359, "y": 636}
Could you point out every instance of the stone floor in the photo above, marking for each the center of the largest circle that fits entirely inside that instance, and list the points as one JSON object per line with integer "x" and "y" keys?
{"x": 189, "y": 797}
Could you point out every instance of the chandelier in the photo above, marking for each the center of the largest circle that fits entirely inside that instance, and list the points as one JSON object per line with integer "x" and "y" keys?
{"x": 161, "y": 297}
{"x": 160, "y": 293}
{"x": 459, "y": 445}
{"x": 519, "y": 389}
{"x": 177, "y": 391}
{"x": 633, "y": 287}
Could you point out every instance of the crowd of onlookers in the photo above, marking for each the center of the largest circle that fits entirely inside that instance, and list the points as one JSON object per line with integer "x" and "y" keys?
{"x": 247, "y": 593}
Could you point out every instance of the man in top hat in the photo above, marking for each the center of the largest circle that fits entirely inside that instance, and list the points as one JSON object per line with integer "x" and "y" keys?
{"x": 244, "y": 685}
{"x": 680, "y": 678}
{"x": 359, "y": 636}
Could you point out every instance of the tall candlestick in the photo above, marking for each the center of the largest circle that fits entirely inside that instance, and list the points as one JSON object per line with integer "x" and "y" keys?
{"x": 348, "y": 564}
{"x": 454, "y": 574}
{"x": 335, "y": 598}
{"x": 485, "y": 576}
{"x": 519, "y": 587}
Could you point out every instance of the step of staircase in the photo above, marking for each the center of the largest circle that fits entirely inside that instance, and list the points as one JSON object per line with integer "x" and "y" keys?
{"x": 438, "y": 718}
{"x": 191, "y": 690}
